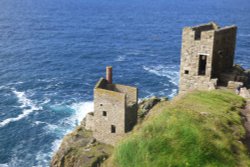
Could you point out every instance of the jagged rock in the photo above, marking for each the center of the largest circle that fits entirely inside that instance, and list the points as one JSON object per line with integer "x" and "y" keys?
{"x": 80, "y": 149}
{"x": 147, "y": 104}
{"x": 163, "y": 99}
{"x": 93, "y": 140}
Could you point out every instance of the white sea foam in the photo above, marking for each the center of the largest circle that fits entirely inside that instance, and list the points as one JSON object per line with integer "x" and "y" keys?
{"x": 14, "y": 161}
{"x": 4, "y": 165}
{"x": 165, "y": 71}
{"x": 56, "y": 144}
{"x": 46, "y": 101}
{"x": 40, "y": 122}
{"x": 52, "y": 127}
{"x": 170, "y": 72}
{"x": 120, "y": 58}
{"x": 42, "y": 159}
{"x": 173, "y": 93}
{"x": 134, "y": 52}
{"x": 149, "y": 94}
{"x": 11, "y": 84}
{"x": 27, "y": 105}
{"x": 244, "y": 35}
{"x": 63, "y": 127}
{"x": 80, "y": 111}
{"x": 2, "y": 87}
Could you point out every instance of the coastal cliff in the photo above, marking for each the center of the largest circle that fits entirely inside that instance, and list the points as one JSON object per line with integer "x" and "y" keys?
{"x": 198, "y": 129}
{"x": 80, "y": 149}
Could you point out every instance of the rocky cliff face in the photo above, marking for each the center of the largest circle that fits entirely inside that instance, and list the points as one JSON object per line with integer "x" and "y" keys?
{"x": 80, "y": 149}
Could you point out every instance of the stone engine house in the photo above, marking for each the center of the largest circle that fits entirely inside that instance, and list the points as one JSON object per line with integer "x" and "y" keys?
{"x": 115, "y": 110}
{"x": 207, "y": 58}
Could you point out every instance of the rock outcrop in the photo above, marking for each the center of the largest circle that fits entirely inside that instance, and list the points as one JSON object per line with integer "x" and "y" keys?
{"x": 146, "y": 105}
{"x": 80, "y": 149}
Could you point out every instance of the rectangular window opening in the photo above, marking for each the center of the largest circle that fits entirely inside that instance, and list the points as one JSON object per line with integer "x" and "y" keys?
{"x": 104, "y": 113}
{"x": 197, "y": 35}
{"x": 202, "y": 65}
{"x": 113, "y": 129}
{"x": 186, "y": 72}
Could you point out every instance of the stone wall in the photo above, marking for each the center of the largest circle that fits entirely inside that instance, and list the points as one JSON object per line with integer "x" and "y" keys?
{"x": 102, "y": 83}
{"x": 245, "y": 93}
{"x": 207, "y": 53}
{"x": 191, "y": 51}
{"x": 237, "y": 74}
{"x": 89, "y": 121}
{"x": 109, "y": 115}
{"x": 131, "y": 93}
{"x": 131, "y": 117}
{"x": 234, "y": 85}
{"x": 223, "y": 51}
{"x": 115, "y": 111}
{"x": 131, "y": 105}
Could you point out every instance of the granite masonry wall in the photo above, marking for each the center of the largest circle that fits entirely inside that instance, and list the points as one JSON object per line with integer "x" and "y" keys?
{"x": 115, "y": 111}
{"x": 207, "y": 50}
{"x": 109, "y": 115}
{"x": 223, "y": 50}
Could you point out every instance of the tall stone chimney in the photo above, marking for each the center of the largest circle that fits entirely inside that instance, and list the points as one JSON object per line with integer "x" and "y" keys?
{"x": 109, "y": 74}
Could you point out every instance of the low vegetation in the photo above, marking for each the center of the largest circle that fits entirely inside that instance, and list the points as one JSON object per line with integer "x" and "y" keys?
{"x": 200, "y": 129}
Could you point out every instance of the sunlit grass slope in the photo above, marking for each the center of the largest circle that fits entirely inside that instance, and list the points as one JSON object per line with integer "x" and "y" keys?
{"x": 200, "y": 129}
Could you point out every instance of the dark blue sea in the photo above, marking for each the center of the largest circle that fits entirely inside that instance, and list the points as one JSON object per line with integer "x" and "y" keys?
{"x": 52, "y": 52}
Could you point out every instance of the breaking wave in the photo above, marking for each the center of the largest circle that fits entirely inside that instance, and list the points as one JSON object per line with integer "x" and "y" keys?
{"x": 81, "y": 109}
{"x": 26, "y": 104}
{"x": 79, "y": 112}
{"x": 2, "y": 87}
{"x": 170, "y": 72}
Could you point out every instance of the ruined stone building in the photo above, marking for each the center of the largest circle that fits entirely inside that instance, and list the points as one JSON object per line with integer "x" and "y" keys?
{"x": 207, "y": 58}
{"x": 115, "y": 110}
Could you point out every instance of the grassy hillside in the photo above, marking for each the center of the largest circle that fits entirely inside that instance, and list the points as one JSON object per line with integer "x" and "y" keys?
{"x": 200, "y": 129}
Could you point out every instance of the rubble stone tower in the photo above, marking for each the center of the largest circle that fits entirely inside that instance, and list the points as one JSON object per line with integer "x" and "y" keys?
{"x": 207, "y": 52}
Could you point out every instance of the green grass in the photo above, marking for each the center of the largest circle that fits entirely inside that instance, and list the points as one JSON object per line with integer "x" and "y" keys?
{"x": 200, "y": 129}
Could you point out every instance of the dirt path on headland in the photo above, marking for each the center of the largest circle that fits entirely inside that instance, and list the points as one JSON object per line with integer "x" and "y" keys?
{"x": 246, "y": 113}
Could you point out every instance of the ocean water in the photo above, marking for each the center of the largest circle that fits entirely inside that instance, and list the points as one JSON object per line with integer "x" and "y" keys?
{"x": 52, "y": 52}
